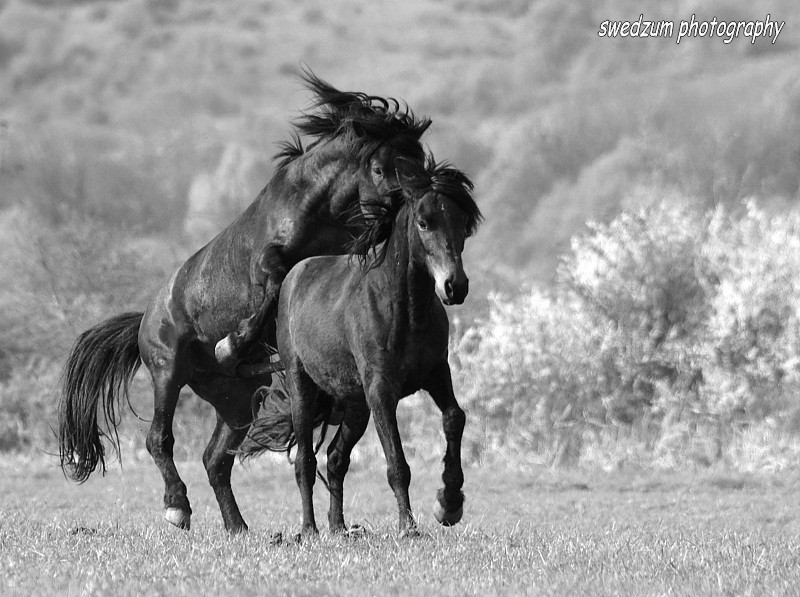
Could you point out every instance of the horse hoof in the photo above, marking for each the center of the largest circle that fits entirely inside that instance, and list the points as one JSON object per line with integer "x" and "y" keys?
{"x": 446, "y": 518}
{"x": 238, "y": 530}
{"x": 409, "y": 533}
{"x": 356, "y": 531}
{"x": 179, "y": 518}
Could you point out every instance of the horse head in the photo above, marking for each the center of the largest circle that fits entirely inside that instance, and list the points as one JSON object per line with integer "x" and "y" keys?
{"x": 443, "y": 214}
{"x": 380, "y": 136}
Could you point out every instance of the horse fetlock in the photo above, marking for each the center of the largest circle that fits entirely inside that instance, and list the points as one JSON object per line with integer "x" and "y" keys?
{"x": 180, "y": 518}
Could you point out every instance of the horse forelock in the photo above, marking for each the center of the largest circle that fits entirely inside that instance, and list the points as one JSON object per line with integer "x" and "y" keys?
{"x": 444, "y": 179}
{"x": 438, "y": 177}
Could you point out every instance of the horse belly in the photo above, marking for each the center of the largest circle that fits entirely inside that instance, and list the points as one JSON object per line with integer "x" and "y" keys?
{"x": 332, "y": 368}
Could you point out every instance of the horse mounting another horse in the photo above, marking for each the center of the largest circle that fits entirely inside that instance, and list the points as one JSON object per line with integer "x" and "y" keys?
{"x": 355, "y": 340}
{"x": 218, "y": 307}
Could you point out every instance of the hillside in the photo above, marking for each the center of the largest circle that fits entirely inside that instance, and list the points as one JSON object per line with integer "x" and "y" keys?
{"x": 555, "y": 124}
{"x": 113, "y": 114}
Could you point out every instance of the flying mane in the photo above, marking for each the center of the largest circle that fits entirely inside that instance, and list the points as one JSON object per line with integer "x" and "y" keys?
{"x": 366, "y": 121}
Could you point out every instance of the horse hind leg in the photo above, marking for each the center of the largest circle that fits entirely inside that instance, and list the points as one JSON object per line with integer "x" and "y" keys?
{"x": 232, "y": 400}
{"x": 160, "y": 443}
{"x": 303, "y": 402}
{"x": 218, "y": 459}
{"x": 354, "y": 423}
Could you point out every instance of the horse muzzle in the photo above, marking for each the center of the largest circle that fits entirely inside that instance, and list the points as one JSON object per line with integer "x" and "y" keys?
{"x": 454, "y": 289}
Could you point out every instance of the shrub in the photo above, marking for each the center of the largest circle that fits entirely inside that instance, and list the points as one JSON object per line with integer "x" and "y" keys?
{"x": 754, "y": 325}
{"x": 529, "y": 378}
{"x": 673, "y": 336}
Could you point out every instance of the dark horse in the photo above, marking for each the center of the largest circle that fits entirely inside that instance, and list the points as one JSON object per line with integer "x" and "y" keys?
{"x": 355, "y": 340}
{"x": 314, "y": 204}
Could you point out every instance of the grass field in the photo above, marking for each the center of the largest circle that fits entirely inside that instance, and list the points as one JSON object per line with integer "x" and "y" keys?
{"x": 532, "y": 531}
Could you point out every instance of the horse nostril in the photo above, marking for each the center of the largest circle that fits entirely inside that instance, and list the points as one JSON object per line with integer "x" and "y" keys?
{"x": 448, "y": 288}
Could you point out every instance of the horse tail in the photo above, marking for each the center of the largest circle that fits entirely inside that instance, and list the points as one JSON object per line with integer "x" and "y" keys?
{"x": 272, "y": 430}
{"x": 98, "y": 371}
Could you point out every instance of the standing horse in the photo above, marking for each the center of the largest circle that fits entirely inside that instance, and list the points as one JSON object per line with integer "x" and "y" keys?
{"x": 355, "y": 340}
{"x": 312, "y": 205}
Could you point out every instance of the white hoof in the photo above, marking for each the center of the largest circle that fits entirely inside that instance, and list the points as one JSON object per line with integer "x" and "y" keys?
{"x": 179, "y": 518}
{"x": 223, "y": 350}
{"x": 445, "y": 518}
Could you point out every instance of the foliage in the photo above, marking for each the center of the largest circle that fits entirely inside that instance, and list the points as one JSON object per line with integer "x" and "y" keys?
{"x": 671, "y": 328}
{"x": 670, "y": 332}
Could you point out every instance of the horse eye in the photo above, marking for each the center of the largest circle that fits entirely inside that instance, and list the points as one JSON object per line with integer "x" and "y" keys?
{"x": 422, "y": 224}
{"x": 378, "y": 171}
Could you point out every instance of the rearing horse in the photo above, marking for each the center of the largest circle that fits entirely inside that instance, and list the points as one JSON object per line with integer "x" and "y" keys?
{"x": 314, "y": 204}
{"x": 355, "y": 340}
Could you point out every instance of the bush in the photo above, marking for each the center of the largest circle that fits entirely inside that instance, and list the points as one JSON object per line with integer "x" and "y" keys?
{"x": 754, "y": 327}
{"x": 529, "y": 377}
{"x": 672, "y": 335}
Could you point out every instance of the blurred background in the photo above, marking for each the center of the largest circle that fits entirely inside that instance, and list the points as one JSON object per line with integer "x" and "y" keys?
{"x": 667, "y": 332}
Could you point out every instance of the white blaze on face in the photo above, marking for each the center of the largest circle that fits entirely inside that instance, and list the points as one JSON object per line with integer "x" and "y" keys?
{"x": 444, "y": 260}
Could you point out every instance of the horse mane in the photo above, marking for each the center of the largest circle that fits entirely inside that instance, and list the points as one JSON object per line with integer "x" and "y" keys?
{"x": 439, "y": 177}
{"x": 289, "y": 150}
{"x": 367, "y": 121}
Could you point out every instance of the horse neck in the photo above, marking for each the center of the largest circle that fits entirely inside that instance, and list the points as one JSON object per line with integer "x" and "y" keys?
{"x": 411, "y": 286}
{"x": 325, "y": 178}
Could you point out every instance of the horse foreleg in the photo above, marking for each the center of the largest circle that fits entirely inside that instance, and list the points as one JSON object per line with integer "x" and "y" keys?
{"x": 382, "y": 401}
{"x": 449, "y": 499}
{"x": 160, "y": 442}
{"x": 354, "y": 423}
{"x": 218, "y": 460}
{"x": 268, "y": 273}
